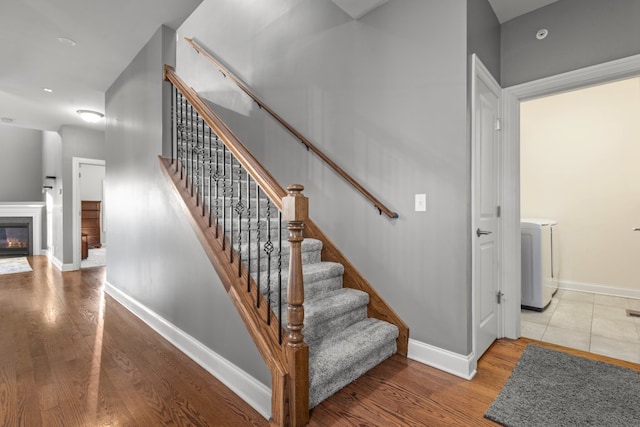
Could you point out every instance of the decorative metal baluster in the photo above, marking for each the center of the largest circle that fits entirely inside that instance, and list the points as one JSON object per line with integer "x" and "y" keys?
{"x": 240, "y": 210}
{"x": 198, "y": 161}
{"x": 258, "y": 276}
{"x": 268, "y": 249}
{"x": 249, "y": 232}
{"x": 174, "y": 114}
{"x": 210, "y": 174}
{"x": 193, "y": 150}
{"x": 217, "y": 179}
{"x": 186, "y": 154}
{"x": 180, "y": 147}
{"x": 204, "y": 156}
{"x": 231, "y": 207}
{"x": 224, "y": 194}
{"x": 280, "y": 276}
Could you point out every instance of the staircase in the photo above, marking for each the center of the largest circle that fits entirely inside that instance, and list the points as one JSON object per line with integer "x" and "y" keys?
{"x": 319, "y": 325}
{"x": 343, "y": 341}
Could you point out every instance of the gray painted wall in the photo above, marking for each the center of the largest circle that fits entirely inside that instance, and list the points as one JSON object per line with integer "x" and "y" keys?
{"x": 52, "y": 166}
{"x": 21, "y": 169}
{"x": 386, "y": 97}
{"x": 154, "y": 255}
{"x": 581, "y": 33}
{"x": 483, "y": 35}
{"x": 76, "y": 142}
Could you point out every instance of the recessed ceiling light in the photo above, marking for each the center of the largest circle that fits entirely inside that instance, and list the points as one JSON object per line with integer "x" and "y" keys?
{"x": 6, "y": 120}
{"x": 66, "y": 41}
{"x": 90, "y": 116}
{"x": 542, "y": 33}
{"x": 46, "y": 89}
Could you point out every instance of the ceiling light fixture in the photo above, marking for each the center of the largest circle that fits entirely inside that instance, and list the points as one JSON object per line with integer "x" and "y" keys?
{"x": 90, "y": 116}
{"x": 66, "y": 41}
{"x": 46, "y": 89}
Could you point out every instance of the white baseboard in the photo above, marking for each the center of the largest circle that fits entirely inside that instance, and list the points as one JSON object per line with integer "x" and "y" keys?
{"x": 252, "y": 391}
{"x": 445, "y": 360}
{"x": 595, "y": 288}
{"x": 58, "y": 264}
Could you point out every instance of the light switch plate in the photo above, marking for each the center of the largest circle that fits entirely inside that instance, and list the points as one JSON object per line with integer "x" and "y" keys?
{"x": 421, "y": 203}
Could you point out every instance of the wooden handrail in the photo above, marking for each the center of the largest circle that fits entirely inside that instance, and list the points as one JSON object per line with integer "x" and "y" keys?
{"x": 291, "y": 391}
{"x": 308, "y": 144}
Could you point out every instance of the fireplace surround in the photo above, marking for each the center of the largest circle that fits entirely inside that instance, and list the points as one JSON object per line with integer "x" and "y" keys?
{"x": 15, "y": 215}
{"x": 16, "y": 236}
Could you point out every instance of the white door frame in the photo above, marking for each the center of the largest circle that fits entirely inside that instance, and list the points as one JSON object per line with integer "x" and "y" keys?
{"x": 75, "y": 223}
{"x": 480, "y": 72}
{"x": 511, "y": 97}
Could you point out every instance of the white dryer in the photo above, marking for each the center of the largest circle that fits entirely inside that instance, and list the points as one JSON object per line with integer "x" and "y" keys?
{"x": 540, "y": 262}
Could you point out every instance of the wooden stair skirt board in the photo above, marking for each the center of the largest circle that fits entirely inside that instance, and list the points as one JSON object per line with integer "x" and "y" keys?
{"x": 348, "y": 328}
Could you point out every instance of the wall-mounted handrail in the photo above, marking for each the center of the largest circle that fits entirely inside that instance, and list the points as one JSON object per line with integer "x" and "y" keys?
{"x": 308, "y": 144}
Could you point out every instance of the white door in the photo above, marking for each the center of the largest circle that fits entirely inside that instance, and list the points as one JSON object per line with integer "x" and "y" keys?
{"x": 485, "y": 211}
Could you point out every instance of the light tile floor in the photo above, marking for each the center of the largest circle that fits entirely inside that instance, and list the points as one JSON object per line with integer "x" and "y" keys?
{"x": 595, "y": 323}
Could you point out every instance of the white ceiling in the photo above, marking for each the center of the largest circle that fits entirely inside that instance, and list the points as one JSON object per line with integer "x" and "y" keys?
{"x": 108, "y": 34}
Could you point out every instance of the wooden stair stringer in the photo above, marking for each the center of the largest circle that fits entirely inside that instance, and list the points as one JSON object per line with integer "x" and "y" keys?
{"x": 352, "y": 278}
{"x": 265, "y": 336}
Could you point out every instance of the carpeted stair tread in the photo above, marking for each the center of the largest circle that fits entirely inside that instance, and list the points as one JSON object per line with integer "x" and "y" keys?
{"x": 339, "y": 358}
{"x": 318, "y": 277}
{"x": 333, "y": 311}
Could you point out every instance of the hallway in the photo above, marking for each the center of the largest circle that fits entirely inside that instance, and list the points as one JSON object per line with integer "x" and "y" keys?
{"x": 72, "y": 356}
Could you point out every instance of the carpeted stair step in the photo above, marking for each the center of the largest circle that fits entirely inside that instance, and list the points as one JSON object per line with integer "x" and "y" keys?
{"x": 311, "y": 251}
{"x": 318, "y": 278}
{"x": 339, "y": 358}
{"x": 332, "y": 312}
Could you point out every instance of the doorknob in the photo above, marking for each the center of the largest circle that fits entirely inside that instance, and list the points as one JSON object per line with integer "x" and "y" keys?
{"x": 482, "y": 232}
{"x": 636, "y": 228}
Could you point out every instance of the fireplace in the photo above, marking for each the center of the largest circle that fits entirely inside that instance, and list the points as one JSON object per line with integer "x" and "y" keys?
{"x": 15, "y": 215}
{"x": 16, "y": 236}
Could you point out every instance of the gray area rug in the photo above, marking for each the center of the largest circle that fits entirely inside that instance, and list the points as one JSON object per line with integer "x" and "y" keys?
{"x": 552, "y": 388}
{"x": 14, "y": 265}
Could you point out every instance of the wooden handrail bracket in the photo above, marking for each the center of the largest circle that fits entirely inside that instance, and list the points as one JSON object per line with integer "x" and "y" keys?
{"x": 308, "y": 144}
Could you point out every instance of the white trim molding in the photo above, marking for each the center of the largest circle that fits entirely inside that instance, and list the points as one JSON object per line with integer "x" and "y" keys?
{"x": 512, "y": 96}
{"x": 596, "y": 288}
{"x": 445, "y": 360}
{"x": 27, "y": 209}
{"x": 249, "y": 389}
{"x": 58, "y": 264}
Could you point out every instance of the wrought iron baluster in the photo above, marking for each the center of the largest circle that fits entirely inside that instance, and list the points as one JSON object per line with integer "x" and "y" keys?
{"x": 231, "y": 209}
{"x": 174, "y": 114}
{"x": 268, "y": 249}
{"x": 258, "y": 241}
{"x": 198, "y": 153}
{"x": 249, "y": 232}
{"x": 280, "y": 276}
{"x": 240, "y": 210}
{"x": 210, "y": 174}
{"x": 224, "y": 195}
{"x": 217, "y": 179}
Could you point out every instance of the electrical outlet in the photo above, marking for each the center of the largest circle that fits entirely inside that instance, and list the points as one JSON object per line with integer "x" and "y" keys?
{"x": 421, "y": 203}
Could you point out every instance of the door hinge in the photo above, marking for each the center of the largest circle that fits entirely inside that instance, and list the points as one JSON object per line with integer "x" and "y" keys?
{"x": 498, "y": 124}
{"x": 499, "y": 296}
{"x": 498, "y": 211}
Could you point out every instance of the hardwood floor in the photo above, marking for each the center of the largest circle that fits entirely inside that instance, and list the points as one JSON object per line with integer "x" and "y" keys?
{"x": 72, "y": 356}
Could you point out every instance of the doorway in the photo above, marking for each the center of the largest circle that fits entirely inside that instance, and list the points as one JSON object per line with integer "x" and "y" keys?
{"x": 579, "y": 169}
{"x": 89, "y": 238}
{"x": 512, "y": 97}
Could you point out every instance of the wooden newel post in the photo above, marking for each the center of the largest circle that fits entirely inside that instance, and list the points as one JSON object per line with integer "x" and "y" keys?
{"x": 295, "y": 210}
